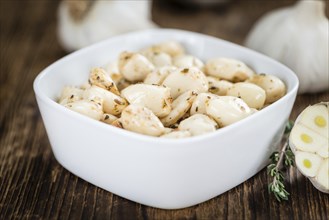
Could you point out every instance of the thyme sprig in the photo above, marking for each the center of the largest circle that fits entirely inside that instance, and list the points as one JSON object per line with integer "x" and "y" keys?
{"x": 284, "y": 158}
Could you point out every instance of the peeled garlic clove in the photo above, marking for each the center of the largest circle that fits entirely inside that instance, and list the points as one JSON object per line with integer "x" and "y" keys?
{"x": 180, "y": 106}
{"x": 228, "y": 69}
{"x": 123, "y": 83}
{"x": 273, "y": 86}
{"x": 158, "y": 75}
{"x": 139, "y": 119}
{"x": 85, "y": 86}
{"x": 198, "y": 124}
{"x": 156, "y": 98}
{"x": 321, "y": 180}
{"x": 158, "y": 59}
{"x": 168, "y": 130}
{"x": 108, "y": 118}
{"x": 70, "y": 94}
{"x": 253, "y": 110}
{"x": 117, "y": 123}
{"x": 112, "y": 103}
{"x": 186, "y": 79}
{"x": 177, "y": 134}
{"x": 99, "y": 77}
{"x": 134, "y": 66}
{"x": 309, "y": 140}
{"x": 172, "y": 48}
{"x": 250, "y": 93}
{"x": 200, "y": 102}
{"x": 187, "y": 61}
{"x": 308, "y": 163}
{"x": 218, "y": 87}
{"x": 227, "y": 110}
{"x": 113, "y": 70}
{"x": 92, "y": 109}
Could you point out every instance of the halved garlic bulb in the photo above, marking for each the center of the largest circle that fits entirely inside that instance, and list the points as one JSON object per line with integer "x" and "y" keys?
{"x": 321, "y": 180}
{"x": 308, "y": 163}
{"x": 309, "y": 141}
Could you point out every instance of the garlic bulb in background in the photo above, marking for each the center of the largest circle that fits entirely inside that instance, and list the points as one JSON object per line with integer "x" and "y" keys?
{"x": 298, "y": 37}
{"x": 81, "y": 23}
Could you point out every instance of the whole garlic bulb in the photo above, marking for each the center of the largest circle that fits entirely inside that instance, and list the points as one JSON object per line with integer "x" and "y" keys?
{"x": 298, "y": 37}
{"x": 81, "y": 23}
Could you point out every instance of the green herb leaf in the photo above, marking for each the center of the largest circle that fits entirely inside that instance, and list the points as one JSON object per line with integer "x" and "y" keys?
{"x": 286, "y": 158}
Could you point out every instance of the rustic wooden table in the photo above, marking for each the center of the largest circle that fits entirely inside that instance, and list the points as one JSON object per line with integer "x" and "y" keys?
{"x": 34, "y": 185}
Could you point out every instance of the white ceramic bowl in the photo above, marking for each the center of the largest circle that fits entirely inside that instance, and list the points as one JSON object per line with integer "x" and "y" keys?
{"x": 160, "y": 172}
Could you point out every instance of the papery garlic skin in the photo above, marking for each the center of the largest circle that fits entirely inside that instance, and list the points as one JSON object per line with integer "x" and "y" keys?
{"x": 298, "y": 37}
{"x": 100, "y": 20}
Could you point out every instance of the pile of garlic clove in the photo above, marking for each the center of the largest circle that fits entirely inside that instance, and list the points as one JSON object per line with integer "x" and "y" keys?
{"x": 309, "y": 142}
{"x": 161, "y": 91}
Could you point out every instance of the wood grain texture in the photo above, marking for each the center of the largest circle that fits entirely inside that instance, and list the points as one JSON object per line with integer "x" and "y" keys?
{"x": 34, "y": 186}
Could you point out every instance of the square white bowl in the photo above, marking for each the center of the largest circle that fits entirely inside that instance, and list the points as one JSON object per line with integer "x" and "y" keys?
{"x": 160, "y": 172}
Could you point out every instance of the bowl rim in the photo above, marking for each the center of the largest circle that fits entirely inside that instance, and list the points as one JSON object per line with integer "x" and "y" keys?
{"x": 141, "y": 137}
